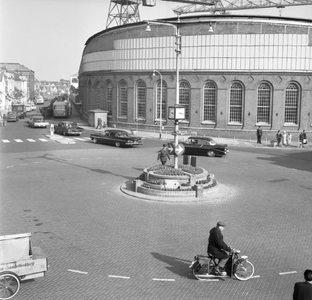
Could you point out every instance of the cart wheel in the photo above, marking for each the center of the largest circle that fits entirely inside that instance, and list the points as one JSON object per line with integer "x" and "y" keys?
{"x": 243, "y": 270}
{"x": 9, "y": 285}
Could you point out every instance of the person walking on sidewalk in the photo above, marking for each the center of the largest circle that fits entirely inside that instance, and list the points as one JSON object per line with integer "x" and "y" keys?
{"x": 259, "y": 135}
{"x": 279, "y": 138}
{"x": 99, "y": 123}
{"x": 289, "y": 136}
{"x": 302, "y": 139}
{"x": 163, "y": 155}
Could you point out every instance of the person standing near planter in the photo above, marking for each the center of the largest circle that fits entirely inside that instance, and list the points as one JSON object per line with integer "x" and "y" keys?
{"x": 302, "y": 139}
{"x": 163, "y": 155}
{"x": 259, "y": 135}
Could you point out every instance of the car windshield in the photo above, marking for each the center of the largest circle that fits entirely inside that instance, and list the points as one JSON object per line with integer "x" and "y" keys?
{"x": 36, "y": 119}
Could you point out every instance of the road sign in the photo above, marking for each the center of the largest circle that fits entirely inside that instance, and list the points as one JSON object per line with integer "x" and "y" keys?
{"x": 179, "y": 149}
{"x": 171, "y": 148}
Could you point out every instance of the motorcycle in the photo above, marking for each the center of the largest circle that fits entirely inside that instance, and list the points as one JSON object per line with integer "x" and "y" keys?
{"x": 204, "y": 267}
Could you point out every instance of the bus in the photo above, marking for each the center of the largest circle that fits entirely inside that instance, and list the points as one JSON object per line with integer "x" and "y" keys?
{"x": 61, "y": 108}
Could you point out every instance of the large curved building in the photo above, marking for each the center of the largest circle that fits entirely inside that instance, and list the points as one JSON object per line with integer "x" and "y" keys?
{"x": 250, "y": 71}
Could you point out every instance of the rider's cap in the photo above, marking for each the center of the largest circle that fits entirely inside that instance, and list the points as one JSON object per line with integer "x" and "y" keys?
{"x": 220, "y": 223}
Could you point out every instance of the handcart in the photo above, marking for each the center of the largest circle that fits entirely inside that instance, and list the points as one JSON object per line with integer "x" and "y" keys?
{"x": 19, "y": 261}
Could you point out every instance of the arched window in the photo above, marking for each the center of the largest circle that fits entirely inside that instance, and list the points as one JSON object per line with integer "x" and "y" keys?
{"x": 109, "y": 97}
{"x": 209, "y": 102}
{"x": 236, "y": 103}
{"x": 123, "y": 98}
{"x": 161, "y": 99}
{"x": 141, "y": 99}
{"x": 98, "y": 94}
{"x": 184, "y": 97}
{"x": 264, "y": 103}
{"x": 291, "y": 104}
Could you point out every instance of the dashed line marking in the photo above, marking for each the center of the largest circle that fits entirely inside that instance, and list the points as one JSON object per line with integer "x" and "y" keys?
{"x": 286, "y": 273}
{"x": 76, "y": 271}
{"x": 256, "y": 276}
{"x": 163, "y": 279}
{"x": 10, "y": 167}
{"x": 31, "y": 140}
{"x": 6, "y": 141}
{"x": 43, "y": 140}
{"x": 18, "y": 141}
{"x": 117, "y": 276}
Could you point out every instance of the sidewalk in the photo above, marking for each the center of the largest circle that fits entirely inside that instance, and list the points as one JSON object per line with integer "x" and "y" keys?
{"x": 166, "y": 136}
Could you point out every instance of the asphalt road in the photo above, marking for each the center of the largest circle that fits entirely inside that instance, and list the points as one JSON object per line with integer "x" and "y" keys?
{"x": 103, "y": 244}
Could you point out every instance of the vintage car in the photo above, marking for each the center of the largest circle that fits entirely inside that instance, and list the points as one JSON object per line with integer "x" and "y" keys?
{"x": 116, "y": 137}
{"x": 38, "y": 121}
{"x": 204, "y": 146}
{"x": 68, "y": 128}
{"x": 12, "y": 116}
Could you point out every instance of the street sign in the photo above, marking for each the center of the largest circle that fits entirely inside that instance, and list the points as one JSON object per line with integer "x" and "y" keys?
{"x": 171, "y": 148}
{"x": 179, "y": 149}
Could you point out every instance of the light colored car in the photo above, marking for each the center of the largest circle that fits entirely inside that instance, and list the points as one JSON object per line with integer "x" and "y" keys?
{"x": 39, "y": 100}
{"x": 38, "y": 121}
{"x": 28, "y": 107}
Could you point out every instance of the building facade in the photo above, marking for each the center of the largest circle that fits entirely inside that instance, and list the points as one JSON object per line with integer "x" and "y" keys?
{"x": 250, "y": 71}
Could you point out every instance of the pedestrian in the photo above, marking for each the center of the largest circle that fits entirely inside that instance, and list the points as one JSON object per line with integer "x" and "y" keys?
{"x": 284, "y": 137}
{"x": 4, "y": 120}
{"x": 303, "y": 290}
{"x": 99, "y": 123}
{"x": 259, "y": 135}
{"x": 289, "y": 136}
{"x": 163, "y": 155}
{"x": 279, "y": 138}
{"x": 302, "y": 139}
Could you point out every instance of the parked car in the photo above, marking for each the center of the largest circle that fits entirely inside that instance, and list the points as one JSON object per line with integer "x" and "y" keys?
{"x": 116, "y": 137}
{"x": 204, "y": 146}
{"x": 38, "y": 121}
{"x": 28, "y": 107}
{"x": 68, "y": 128}
{"x": 12, "y": 116}
{"x": 39, "y": 100}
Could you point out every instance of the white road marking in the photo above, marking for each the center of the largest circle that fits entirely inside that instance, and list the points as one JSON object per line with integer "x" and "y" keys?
{"x": 10, "y": 166}
{"x": 6, "y": 141}
{"x": 256, "y": 276}
{"x": 163, "y": 279}
{"x": 79, "y": 139}
{"x": 18, "y": 141}
{"x": 286, "y": 273}
{"x": 43, "y": 140}
{"x": 31, "y": 140}
{"x": 76, "y": 271}
{"x": 116, "y": 276}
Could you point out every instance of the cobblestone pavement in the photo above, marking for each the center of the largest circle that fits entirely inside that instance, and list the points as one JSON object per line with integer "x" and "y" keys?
{"x": 102, "y": 244}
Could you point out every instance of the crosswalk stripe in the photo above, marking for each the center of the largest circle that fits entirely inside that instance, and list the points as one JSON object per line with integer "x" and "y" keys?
{"x": 6, "y": 141}
{"x": 43, "y": 140}
{"x": 31, "y": 140}
{"x": 80, "y": 139}
{"x": 18, "y": 141}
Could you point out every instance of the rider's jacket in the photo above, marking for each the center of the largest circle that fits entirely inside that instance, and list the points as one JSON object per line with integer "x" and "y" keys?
{"x": 216, "y": 245}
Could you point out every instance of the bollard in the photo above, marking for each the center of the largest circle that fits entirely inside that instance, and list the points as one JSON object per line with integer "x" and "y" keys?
{"x": 199, "y": 190}
{"x": 51, "y": 129}
{"x": 193, "y": 161}
{"x": 186, "y": 159}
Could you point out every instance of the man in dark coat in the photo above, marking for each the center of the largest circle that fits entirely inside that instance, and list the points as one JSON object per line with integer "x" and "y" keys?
{"x": 303, "y": 290}
{"x": 217, "y": 247}
{"x": 259, "y": 135}
{"x": 163, "y": 155}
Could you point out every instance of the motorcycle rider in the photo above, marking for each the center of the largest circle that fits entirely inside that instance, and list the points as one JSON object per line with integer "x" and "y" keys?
{"x": 218, "y": 248}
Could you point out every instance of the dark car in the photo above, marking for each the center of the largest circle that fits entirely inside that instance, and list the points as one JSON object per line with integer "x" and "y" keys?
{"x": 204, "y": 146}
{"x": 116, "y": 137}
{"x": 12, "y": 116}
{"x": 68, "y": 128}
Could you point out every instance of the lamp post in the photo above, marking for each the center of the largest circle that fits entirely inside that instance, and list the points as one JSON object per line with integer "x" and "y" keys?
{"x": 178, "y": 52}
{"x": 160, "y": 106}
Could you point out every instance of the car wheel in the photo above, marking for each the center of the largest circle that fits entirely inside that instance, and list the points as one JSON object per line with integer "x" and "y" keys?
{"x": 211, "y": 154}
{"x": 95, "y": 141}
{"x": 117, "y": 144}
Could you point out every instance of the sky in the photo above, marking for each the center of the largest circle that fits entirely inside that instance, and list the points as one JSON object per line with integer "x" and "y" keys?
{"x": 48, "y": 36}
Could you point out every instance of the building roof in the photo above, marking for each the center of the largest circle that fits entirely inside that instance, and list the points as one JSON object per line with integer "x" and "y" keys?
{"x": 14, "y": 67}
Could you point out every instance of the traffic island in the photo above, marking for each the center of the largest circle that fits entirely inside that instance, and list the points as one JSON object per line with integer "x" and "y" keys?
{"x": 165, "y": 183}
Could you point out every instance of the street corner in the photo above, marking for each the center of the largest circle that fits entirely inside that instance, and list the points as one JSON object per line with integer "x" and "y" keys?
{"x": 60, "y": 139}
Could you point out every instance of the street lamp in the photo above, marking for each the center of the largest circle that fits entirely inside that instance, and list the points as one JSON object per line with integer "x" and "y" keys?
{"x": 160, "y": 108}
{"x": 178, "y": 52}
